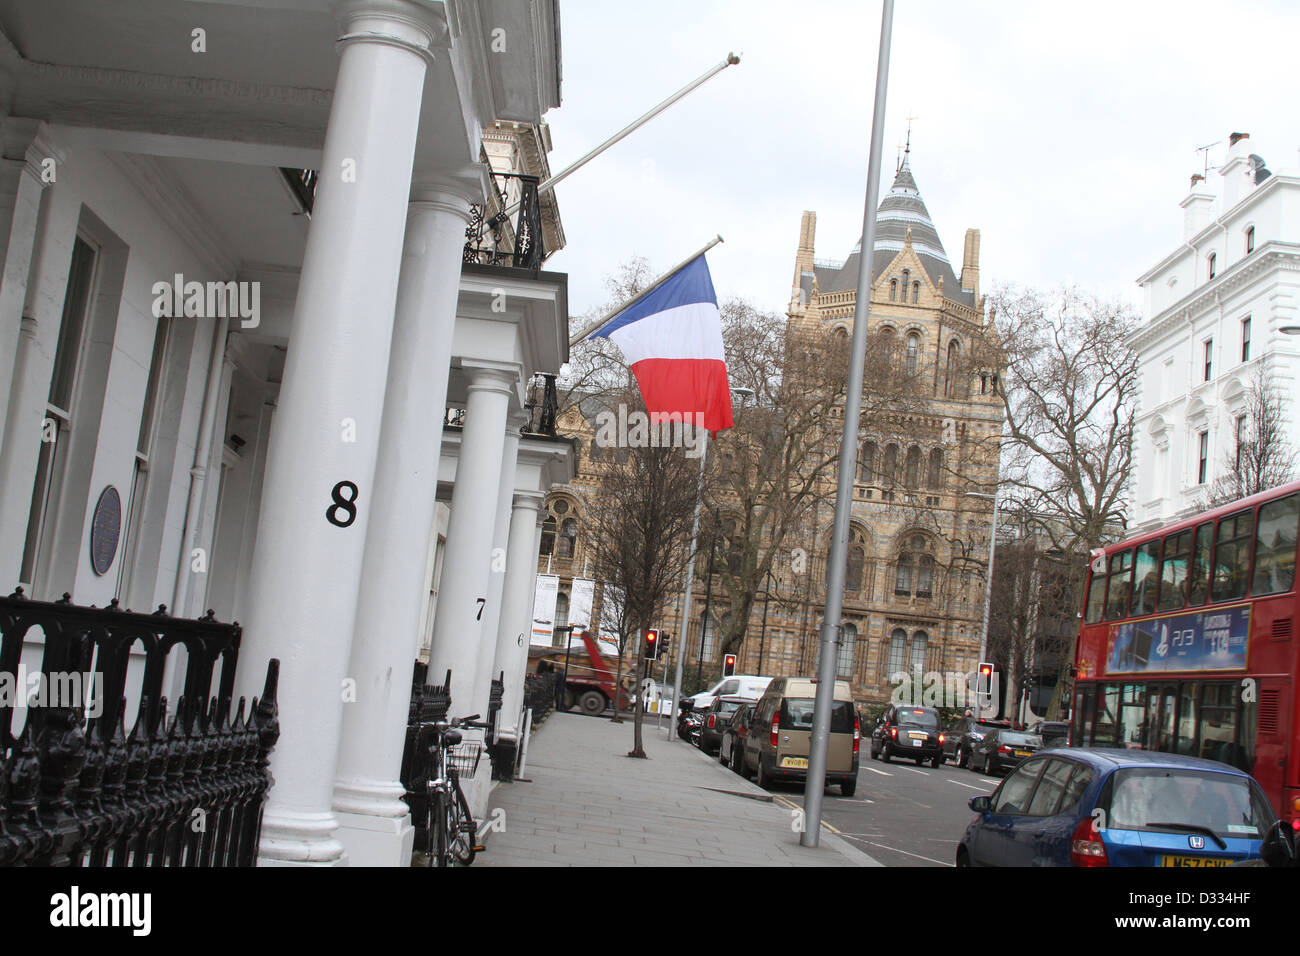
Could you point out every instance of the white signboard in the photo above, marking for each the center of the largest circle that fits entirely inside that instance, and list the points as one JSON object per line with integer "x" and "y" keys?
{"x": 584, "y": 591}
{"x": 548, "y": 586}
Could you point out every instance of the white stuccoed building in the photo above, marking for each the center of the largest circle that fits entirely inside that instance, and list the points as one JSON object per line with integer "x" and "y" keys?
{"x": 283, "y": 466}
{"x": 1214, "y": 308}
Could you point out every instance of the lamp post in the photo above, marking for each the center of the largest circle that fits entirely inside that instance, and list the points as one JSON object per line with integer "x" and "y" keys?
{"x": 762, "y": 634}
{"x": 708, "y": 596}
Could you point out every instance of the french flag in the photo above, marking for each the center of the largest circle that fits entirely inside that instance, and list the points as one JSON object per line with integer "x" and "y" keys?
{"x": 672, "y": 339}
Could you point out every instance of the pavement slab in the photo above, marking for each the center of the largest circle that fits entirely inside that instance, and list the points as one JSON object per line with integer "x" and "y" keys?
{"x": 586, "y": 803}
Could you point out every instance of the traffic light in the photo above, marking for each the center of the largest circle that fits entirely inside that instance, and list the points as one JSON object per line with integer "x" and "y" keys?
{"x": 652, "y": 644}
{"x": 728, "y": 665}
{"x": 984, "y": 680}
{"x": 663, "y": 644}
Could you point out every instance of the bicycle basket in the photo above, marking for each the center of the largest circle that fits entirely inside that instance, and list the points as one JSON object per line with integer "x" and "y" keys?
{"x": 464, "y": 758}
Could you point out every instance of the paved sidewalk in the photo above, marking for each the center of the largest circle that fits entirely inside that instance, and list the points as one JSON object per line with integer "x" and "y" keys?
{"x": 588, "y": 804}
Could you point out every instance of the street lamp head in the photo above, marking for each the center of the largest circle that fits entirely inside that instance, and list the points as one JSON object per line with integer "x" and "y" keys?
{"x": 1289, "y": 329}
{"x": 743, "y": 392}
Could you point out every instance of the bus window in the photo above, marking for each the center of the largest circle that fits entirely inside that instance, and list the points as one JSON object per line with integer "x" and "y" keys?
{"x": 1219, "y": 723}
{"x": 1275, "y": 546}
{"x": 1201, "y": 564}
{"x": 1083, "y": 716}
{"x": 1096, "y": 598}
{"x": 1187, "y": 716}
{"x": 1231, "y": 563}
{"x": 1107, "y": 716}
{"x": 1121, "y": 569}
{"x": 1132, "y": 717}
{"x": 1173, "y": 571}
{"x": 1144, "y": 579}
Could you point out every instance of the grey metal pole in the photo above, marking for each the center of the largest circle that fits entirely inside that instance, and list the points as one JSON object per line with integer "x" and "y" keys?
{"x": 762, "y": 634}
{"x": 825, "y": 698}
{"x": 731, "y": 60}
{"x": 686, "y": 598}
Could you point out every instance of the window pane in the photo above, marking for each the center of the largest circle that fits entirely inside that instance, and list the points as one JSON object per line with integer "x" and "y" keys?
{"x": 1014, "y": 793}
{"x": 1096, "y": 598}
{"x": 1218, "y": 723}
{"x": 925, "y": 576}
{"x": 1050, "y": 788}
{"x": 1144, "y": 579}
{"x": 1132, "y": 716}
{"x": 1275, "y": 546}
{"x": 919, "y": 643}
{"x": 1121, "y": 566}
{"x": 1201, "y": 564}
{"x": 1173, "y": 571}
{"x": 68, "y": 350}
{"x": 898, "y": 651}
{"x": 1232, "y": 557}
{"x": 1187, "y": 718}
{"x": 1107, "y": 716}
{"x": 1074, "y": 789}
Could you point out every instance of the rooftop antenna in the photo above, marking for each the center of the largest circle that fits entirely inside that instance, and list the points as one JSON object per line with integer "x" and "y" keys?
{"x": 1205, "y": 154}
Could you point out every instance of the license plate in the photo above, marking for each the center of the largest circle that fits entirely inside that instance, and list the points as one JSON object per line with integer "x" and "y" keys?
{"x": 1192, "y": 861}
{"x": 917, "y": 743}
{"x": 800, "y": 763}
{"x": 918, "y": 736}
{"x": 1023, "y": 753}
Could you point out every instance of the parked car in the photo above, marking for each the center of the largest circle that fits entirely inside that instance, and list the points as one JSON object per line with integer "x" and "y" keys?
{"x": 738, "y": 685}
{"x": 733, "y": 735}
{"x": 1077, "y": 807}
{"x": 715, "y": 721}
{"x": 1055, "y": 733}
{"x": 960, "y": 739}
{"x": 910, "y": 733}
{"x": 776, "y": 748}
{"x": 1003, "y": 749}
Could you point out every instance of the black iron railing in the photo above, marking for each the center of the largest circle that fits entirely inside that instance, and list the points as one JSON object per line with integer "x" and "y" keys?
{"x": 486, "y": 239}
{"x": 185, "y": 789}
{"x": 429, "y": 704}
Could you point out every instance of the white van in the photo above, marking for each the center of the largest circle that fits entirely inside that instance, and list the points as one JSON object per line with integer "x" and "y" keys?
{"x": 738, "y": 685}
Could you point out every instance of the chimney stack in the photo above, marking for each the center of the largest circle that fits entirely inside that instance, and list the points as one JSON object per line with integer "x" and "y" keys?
{"x": 1238, "y": 173}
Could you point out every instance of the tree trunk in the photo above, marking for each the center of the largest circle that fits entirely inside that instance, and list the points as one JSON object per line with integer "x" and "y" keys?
{"x": 618, "y": 684}
{"x": 637, "y": 749}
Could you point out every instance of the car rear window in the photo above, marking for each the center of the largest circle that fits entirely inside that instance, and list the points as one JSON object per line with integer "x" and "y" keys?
{"x": 726, "y": 707}
{"x": 797, "y": 714}
{"x": 988, "y": 728}
{"x": 1153, "y": 798}
{"x": 1019, "y": 740}
{"x": 918, "y": 717}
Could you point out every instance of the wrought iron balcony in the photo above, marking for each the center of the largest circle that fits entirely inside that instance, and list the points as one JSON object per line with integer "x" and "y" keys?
{"x": 491, "y": 239}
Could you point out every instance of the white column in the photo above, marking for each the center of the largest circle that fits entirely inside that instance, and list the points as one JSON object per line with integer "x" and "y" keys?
{"x": 20, "y": 239}
{"x": 467, "y": 567}
{"x": 318, "y": 492}
{"x": 375, "y": 823}
{"x": 515, "y": 630}
{"x": 496, "y": 583}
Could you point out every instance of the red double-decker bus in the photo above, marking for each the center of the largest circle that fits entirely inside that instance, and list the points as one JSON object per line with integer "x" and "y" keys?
{"x": 1188, "y": 643}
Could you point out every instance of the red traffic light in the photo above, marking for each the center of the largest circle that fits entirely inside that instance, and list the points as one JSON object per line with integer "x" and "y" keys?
{"x": 651, "y": 644}
{"x": 728, "y": 665}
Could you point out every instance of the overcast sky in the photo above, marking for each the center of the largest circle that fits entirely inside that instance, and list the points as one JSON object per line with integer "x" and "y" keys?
{"x": 1066, "y": 133}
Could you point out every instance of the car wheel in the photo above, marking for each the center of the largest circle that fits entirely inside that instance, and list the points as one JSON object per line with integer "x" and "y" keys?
{"x": 875, "y": 754}
{"x": 988, "y": 766}
{"x": 764, "y": 780}
{"x": 963, "y": 858}
{"x": 963, "y": 757}
{"x": 743, "y": 767}
{"x": 849, "y": 787}
{"x": 919, "y": 761}
{"x": 884, "y": 753}
{"x": 936, "y": 762}
{"x": 592, "y": 703}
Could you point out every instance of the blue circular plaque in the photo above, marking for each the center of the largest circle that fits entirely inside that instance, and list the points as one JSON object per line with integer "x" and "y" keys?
{"x": 105, "y": 530}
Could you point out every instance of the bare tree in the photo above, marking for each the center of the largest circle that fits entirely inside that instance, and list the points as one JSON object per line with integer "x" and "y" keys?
{"x": 1261, "y": 456}
{"x": 1069, "y": 389}
{"x": 640, "y": 520}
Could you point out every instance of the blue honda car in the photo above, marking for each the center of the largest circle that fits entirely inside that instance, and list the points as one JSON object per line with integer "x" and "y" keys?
{"x": 1077, "y": 807}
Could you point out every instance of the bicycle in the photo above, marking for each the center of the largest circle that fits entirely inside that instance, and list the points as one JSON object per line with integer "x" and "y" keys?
{"x": 452, "y": 831}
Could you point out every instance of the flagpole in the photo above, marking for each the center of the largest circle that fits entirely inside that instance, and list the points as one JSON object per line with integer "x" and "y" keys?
{"x": 836, "y": 561}
{"x": 686, "y": 599}
{"x": 547, "y": 184}
{"x": 574, "y": 340}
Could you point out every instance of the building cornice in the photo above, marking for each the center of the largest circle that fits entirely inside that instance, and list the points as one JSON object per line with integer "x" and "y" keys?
{"x": 1272, "y": 256}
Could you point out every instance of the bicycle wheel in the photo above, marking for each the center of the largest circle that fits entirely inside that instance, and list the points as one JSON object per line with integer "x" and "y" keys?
{"x": 462, "y": 827}
{"x": 438, "y": 838}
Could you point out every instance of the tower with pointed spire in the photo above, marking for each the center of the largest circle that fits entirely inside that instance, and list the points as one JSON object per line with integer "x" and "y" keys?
{"x": 922, "y": 513}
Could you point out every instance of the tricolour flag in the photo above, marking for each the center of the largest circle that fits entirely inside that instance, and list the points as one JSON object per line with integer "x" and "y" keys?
{"x": 672, "y": 339}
